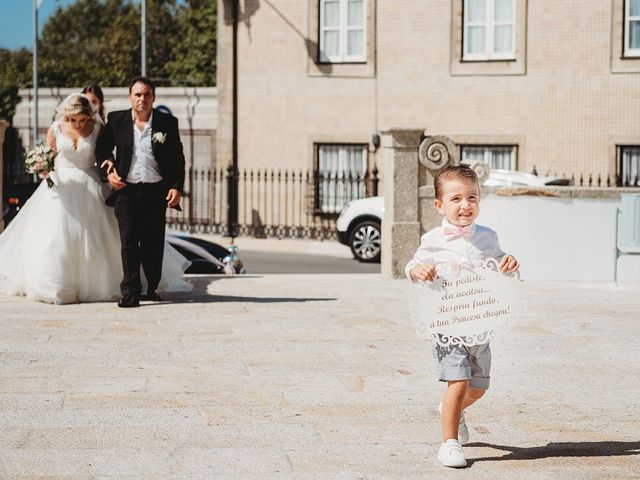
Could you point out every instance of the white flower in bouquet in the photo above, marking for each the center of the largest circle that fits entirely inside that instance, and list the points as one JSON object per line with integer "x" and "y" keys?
{"x": 41, "y": 161}
{"x": 159, "y": 137}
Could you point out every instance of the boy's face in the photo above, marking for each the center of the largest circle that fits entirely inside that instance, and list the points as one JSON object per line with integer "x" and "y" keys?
{"x": 460, "y": 202}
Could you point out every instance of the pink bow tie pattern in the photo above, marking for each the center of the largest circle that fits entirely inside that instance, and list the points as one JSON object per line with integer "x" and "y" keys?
{"x": 454, "y": 232}
{"x": 457, "y": 266}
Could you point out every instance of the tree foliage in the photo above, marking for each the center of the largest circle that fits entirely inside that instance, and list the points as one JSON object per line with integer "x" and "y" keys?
{"x": 14, "y": 74}
{"x": 98, "y": 41}
{"x": 194, "y": 59}
{"x": 89, "y": 42}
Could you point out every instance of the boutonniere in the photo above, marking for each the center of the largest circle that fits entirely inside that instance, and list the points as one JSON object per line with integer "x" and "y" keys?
{"x": 159, "y": 137}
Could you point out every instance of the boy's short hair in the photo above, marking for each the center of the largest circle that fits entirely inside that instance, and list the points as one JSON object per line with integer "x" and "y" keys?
{"x": 453, "y": 172}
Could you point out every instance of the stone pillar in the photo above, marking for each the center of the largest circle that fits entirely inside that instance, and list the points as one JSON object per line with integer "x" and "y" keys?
{"x": 401, "y": 225}
{"x": 411, "y": 160}
{"x": 3, "y": 127}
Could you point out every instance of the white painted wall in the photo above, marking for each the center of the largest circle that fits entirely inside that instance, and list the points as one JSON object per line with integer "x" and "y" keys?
{"x": 572, "y": 239}
{"x": 195, "y": 108}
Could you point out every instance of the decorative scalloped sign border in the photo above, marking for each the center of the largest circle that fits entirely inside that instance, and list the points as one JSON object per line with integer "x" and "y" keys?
{"x": 465, "y": 305}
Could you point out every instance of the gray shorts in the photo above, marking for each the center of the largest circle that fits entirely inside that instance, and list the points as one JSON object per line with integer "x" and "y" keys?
{"x": 458, "y": 362}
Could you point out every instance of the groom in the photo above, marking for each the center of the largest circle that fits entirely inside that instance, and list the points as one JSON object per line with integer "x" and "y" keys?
{"x": 146, "y": 176}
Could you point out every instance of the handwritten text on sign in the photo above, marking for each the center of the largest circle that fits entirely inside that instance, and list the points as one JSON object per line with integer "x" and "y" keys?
{"x": 469, "y": 305}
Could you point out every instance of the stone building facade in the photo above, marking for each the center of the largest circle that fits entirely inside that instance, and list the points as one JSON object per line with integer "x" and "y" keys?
{"x": 522, "y": 84}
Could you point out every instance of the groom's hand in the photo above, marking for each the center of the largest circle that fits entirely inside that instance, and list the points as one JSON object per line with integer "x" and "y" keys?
{"x": 115, "y": 181}
{"x": 173, "y": 197}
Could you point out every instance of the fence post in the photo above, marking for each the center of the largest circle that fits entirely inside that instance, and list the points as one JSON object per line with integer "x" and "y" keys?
{"x": 375, "y": 180}
{"x": 232, "y": 201}
{"x": 191, "y": 196}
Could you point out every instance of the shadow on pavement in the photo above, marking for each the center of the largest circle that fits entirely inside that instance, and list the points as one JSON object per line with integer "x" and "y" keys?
{"x": 207, "y": 298}
{"x": 560, "y": 449}
{"x": 199, "y": 294}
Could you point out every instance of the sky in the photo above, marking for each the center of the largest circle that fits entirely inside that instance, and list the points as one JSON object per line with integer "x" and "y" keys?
{"x": 16, "y": 21}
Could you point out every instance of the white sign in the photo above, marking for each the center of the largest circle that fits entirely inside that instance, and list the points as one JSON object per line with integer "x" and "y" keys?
{"x": 464, "y": 305}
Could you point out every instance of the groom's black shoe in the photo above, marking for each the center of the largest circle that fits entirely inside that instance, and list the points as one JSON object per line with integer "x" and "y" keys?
{"x": 129, "y": 301}
{"x": 152, "y": 296}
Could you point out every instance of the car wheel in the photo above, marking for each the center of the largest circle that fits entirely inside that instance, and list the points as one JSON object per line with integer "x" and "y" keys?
{"x": 365, "y": 241}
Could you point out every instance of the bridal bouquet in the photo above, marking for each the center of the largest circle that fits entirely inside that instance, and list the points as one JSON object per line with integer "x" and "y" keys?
{"x": 41, "y": 161}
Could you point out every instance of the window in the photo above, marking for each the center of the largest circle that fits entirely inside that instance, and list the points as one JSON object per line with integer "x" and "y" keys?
{"x": 343, "y": 31}
{"x": 498, "y": 157}
{"x": 342, "y": 171}
{"x": 630, "y": 171}
{"x": 489, "y": 30}
{"x": 632, "y": 28}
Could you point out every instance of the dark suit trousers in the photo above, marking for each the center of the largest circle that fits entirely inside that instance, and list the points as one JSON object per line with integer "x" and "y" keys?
{"x": 140, "y": 210}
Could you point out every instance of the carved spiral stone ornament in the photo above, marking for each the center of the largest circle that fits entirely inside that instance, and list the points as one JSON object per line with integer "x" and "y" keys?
{"x": 437, "y": 152}
{"x": 482, "y": 170}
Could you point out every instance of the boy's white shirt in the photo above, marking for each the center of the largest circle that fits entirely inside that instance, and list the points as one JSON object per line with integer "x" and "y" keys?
{"x": 435, "y": 246}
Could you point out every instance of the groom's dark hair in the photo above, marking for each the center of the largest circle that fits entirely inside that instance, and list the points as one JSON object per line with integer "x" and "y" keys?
{"x": 145, "y": 80}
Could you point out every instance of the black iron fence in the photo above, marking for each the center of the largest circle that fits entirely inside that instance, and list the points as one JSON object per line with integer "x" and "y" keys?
{"x": 15, "y": 174}
{"x": 270, "y": 203}
{"x": 600, "y": 180}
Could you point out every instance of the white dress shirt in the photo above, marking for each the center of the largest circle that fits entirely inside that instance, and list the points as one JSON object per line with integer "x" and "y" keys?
{"x": 436, "y": 246}
{"x": 144, "y": 167}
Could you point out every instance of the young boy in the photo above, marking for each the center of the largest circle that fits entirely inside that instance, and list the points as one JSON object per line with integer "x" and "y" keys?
{"x": 458, "y": 241}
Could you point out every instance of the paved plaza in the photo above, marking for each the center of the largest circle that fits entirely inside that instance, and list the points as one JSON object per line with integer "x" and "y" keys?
{"x": 283, "y": 377}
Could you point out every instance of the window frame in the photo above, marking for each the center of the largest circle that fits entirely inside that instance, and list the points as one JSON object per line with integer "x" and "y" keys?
{"x": 517, "y": 66}
{"x": 627, "y": 51}
{"x": 489, "y": 25}
{"x": 343, "y": 34}
{"x": 621, "y": 174}
{"x": 488, "y": 147}
{"x": 334, "y": 210}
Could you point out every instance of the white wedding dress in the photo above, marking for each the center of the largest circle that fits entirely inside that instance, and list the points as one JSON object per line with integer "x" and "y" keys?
{"x": 64, "y": 244}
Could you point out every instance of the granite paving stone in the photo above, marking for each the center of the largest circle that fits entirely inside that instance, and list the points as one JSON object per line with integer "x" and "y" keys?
{"x": 299, "y": 377}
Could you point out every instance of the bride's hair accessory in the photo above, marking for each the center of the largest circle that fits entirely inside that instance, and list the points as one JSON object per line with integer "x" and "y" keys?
{"x": 75, "y": 104}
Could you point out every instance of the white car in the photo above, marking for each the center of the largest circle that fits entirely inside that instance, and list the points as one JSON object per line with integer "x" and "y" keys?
{"x": 506, "y": 178}
{"x": 358, "y": 226}
{"x": 359, "y": 223}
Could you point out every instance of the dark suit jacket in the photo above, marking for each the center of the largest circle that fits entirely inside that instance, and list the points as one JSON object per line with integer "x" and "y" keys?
{"x": 118, "y": 134}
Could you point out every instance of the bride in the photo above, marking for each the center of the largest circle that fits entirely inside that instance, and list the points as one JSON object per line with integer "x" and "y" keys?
{"x": 64, "y": 245}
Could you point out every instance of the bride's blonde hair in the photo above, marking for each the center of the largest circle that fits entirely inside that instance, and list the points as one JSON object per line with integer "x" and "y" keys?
{"x": 75, "y": 104}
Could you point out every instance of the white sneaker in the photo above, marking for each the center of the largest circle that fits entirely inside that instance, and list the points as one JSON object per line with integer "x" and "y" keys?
{"x": 463, "y": 430}
{"x": 451, "y": 454}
